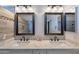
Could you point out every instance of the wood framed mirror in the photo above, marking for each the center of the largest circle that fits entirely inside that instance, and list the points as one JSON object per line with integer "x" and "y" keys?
{"x": 54, "y": 24}
{"x": 24, "y": 24}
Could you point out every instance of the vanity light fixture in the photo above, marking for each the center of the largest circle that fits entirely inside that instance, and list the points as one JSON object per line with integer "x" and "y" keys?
{"x": 23, "y": 6}
{"x": 55, "y": 7}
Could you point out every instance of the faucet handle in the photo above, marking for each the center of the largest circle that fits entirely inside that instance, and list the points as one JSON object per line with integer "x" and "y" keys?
{"x": 57, "y": 39}
{"x": 24, "y": 39}
{"x": 27, "y": 39}
{"x": 20, "y": 39}
{"x": 51, "y": 39}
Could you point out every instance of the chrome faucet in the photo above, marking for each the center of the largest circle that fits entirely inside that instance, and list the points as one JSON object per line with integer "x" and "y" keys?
{"x": 24, "y": 39}
{"x": 55, "y": 39}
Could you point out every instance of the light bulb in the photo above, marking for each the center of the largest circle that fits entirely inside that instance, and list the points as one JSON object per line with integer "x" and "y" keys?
{"x": 23, "y": 9}
{"x": 61, "y": 8}
{"x": 55, "y": 8}
{"x": 30, "y": 8}
{"x": 49, "y": 8}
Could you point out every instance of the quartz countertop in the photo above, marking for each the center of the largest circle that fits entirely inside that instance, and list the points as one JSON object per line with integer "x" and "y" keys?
{"x": 35, "y": 44}
{"x": 68, "y": 43}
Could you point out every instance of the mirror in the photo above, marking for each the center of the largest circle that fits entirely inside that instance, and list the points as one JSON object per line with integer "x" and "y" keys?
{"x": 53, "y": 24}
{"x": 24, "y": 23}
{"x": 70, "y": 22}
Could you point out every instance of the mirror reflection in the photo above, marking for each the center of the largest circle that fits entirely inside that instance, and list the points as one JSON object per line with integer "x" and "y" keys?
{"x": 70, "y": 22}
{"x": 25, "y": 23}
{"x": 53, "y": 24}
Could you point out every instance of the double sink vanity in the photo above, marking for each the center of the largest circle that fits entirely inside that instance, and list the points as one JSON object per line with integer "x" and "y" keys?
{"x": 41, "y": 29}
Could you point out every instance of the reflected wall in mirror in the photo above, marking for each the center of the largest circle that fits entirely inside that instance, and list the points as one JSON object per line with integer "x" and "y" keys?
{"x": 24, "y": 23}
{"x": 70, "y": 22}
{"x": 53, "y": 24}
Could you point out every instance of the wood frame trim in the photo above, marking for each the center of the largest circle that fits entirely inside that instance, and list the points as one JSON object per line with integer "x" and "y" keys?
{"x": 16, "y": 24}
{"x": 45, "y": 24}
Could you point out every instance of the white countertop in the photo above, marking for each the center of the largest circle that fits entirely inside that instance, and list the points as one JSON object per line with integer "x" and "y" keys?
{"x": 43, "y": 44}
{"x": 35, "y": 44}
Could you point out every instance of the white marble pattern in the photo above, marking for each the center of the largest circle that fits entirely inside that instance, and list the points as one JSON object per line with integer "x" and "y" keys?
{"x": 34, "y": 44}
{"x": 71, "y": 41}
